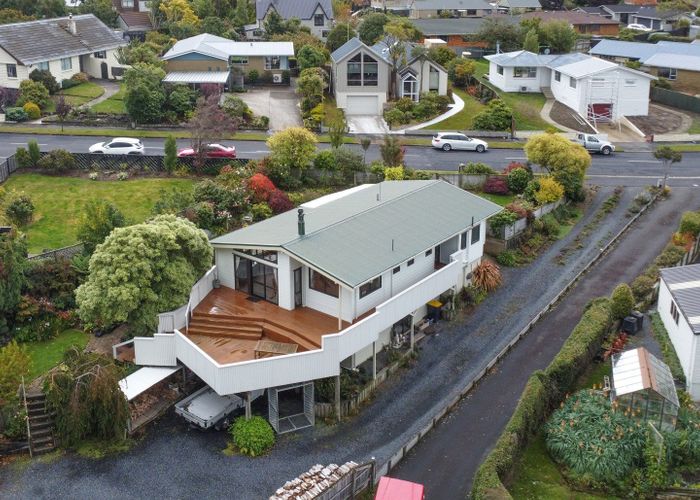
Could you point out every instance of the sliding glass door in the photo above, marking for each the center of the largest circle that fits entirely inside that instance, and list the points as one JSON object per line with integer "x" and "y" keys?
{"x": 256, "y": 279}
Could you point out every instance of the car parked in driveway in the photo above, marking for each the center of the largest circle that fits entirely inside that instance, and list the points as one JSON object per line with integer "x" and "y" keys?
{"x": 119, "y": 146}
{"x": 452, "y": 140}
{"x": 638, "y": 27}
{"x": 210, "y": 151}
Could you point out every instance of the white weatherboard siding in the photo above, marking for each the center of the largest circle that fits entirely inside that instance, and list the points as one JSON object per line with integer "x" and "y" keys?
{"x": 422, "y": 69}
{"x": 223, "y": 257}
{"x": 684, "y": 341}
{"x": 326, "y": 303}
{"x": 508, "y": 83}
{"x": 93, "y": 66}
{"x": 158, "y": 350}
{"x": 567, "y": 95}
{"x": 5, "y": 80}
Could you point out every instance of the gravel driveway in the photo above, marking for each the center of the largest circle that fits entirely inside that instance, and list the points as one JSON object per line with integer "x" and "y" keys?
{"x": 172, "y": 462}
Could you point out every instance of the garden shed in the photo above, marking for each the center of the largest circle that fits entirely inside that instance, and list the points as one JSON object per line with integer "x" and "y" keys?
{"x": 644, "y": 387}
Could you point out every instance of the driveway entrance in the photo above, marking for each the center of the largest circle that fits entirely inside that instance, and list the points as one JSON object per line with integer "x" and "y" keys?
{"x": 279, "y": 103}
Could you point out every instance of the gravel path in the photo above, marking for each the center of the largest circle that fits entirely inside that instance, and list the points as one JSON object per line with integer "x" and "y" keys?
{"x": 172, "y": 462}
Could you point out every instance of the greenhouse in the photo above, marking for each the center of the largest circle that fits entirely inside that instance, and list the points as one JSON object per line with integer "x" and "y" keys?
{"x": 643, "y": 387}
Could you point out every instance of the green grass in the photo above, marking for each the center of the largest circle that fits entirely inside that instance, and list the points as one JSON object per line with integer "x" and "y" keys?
{"x": 539, "y": 477}
{"x": 59, "y": 201}
{"x": 45, "y": 355}
{"x": 463, "y": 119}
{"x": 499, "y": 199}
{"x": 695, "y": 126}
{"x": 565, "y": 229}
{"x": 113, "y": 105}
{"x": 77, "y": 96}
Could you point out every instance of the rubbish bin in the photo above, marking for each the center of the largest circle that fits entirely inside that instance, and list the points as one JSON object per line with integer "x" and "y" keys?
{"x": 640, "y": 319}
{"x": 434, "y": 308}
{"x": 629, "y": 325}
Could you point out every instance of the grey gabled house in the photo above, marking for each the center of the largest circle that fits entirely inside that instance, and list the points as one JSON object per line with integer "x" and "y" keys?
{"x": 317, "y": 15}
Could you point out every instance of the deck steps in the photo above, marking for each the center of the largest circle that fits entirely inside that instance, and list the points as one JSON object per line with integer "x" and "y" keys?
{"x": 547, "y": 91}
{"x": 40, "y": 424}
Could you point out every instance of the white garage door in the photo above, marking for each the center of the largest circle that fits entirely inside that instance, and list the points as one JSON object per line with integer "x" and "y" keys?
{"x": 362, "y": 105}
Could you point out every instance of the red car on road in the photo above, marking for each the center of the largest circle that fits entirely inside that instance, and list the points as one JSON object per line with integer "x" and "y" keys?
{"x": 210, "y": 151}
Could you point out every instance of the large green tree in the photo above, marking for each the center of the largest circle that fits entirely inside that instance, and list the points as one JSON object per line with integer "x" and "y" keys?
{"x": 144, "y": 97}
{"x": 371, "y": 29}
{"x": 98, "y": 220}
{"x": 13, "y": 253}
{"x": 310, "y": 57}
{"x": 142, "y": 270}
{"x": 102, "y": 9}
{"x": 507, "y": 35}
{"x": 560, "y": 36}
{"x": 532, "y": 42}
{"x": 292, "y": 148}
{"x": 341, "y": 33}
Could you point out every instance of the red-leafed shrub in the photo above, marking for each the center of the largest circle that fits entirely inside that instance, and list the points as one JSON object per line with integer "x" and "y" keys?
{"x": 261, "y": 187}
{"x": 512, "y": 166}
{"x": 517, "y": 209}
{"x": 496, "y": 185}
{"x": 279, "y": 201}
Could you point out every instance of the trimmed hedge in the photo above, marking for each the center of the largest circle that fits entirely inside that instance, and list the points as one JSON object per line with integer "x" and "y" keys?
{"x": 544, "y": 391}
{"x": 690, "y": 223}
{"x": 670, "y": 357}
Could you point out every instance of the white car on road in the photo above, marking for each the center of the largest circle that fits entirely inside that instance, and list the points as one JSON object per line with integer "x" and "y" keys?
{"x": 119, "y": 146}
{"x": 453, "y": 140}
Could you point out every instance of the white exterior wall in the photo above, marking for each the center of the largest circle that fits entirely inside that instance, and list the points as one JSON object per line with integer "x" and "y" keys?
{"x": 6, "y": 81}
{"x": 628, "y": 90}
{"x": 684, "y": 341}
{"x": 422, "y": 69}
{"x": 565, "y": 94}
{"x": 508, "y": 83}
{"x": 223, "y": 258}
{"x": 93, "y": 66}
{"x": 326, "y": 303}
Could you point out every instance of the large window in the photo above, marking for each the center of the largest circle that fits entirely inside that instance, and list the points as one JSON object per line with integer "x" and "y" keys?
{"x": 272, "y": 62}
{"x": 268, "y": 255}
{"x": 409, "y": 87}
{"x": 370, "y": 286}
{"x": 127, "y": 4}
{"x": 363, "y": 71}
{"x": 319, "y": 20}
{"x": 355, "y": 71}
{"x": 11, "y": 71}
{"x": 668, "y": 73}
{"x": 320, "y": 283}
{"x": 256, "y": 278}
{"x": 524, "y": 72}
{"x": 66, "y": 64}
{"x": 43, "y": 66}
{"x": 499, "y": 69}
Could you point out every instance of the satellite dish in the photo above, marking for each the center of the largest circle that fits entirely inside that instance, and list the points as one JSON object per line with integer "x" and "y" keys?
{"x": 546, "y": 52}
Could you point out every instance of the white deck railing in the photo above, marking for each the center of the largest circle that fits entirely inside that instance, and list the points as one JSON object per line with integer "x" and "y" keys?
{"x": 178, "y": 319}
{"x": 299, "y": 367}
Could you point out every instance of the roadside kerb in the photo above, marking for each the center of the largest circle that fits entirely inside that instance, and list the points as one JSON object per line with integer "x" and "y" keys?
{"x": 413, "y": 440}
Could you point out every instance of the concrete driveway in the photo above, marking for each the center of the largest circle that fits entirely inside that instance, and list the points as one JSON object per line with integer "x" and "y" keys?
{"x": 370, "y": 124}
{"x": 279, "y": 103}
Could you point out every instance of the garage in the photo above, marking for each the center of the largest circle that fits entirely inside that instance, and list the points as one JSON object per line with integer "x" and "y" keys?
{"x": 362, "y": 105}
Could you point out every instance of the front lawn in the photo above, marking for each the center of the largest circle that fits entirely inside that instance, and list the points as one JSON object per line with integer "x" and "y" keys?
{"x": 113, "y": 105}
{"x": 45, "y": 355}
{"x": 59, "y": 202}
{"x": 499, "y": 199}
{"x": 77, "y": 96}
{"x": 526, "y": 108}
{"x": 463, "y": 119}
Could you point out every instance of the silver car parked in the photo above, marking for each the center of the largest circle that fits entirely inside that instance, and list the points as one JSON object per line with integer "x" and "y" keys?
{"x": 453, "y": 140}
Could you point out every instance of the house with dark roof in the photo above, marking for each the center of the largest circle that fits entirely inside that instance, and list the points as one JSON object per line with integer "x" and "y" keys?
{"x": 63, "y": 45}
{"x": 519, "y": 6}
{"x": 429, "y": 9}
{"x": 331, "y": 284}
{"x": 454, "y": 31}
{"x": 679, "y": 309}
{"x": 583, "y": 22}
{"x": 133, "y": 18}
{"x": 361, "y": 77}
{"x": 317, "y": 15}
{"x": 656, "y": 19}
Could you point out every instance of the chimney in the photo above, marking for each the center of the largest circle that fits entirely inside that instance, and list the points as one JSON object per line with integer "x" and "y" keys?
{"x": 71, "y": 25}
{"x": 300, "y": 222}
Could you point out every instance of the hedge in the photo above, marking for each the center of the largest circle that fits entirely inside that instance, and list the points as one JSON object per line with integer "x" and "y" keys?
{"x": 544, "y": 390}
{"x": 669, "y": 353}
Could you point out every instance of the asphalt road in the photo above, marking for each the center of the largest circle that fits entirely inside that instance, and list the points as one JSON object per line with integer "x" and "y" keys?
{"x": 631, "y": 169}
{"x": 447, "y": 458}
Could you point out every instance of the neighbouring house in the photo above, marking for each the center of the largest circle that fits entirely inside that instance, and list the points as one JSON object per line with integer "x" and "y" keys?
{"x": 423, "y": 9}
{"x": 208, "y": 58}
{"x": 317, "y": 15}
{"x": 519, "y": 6}
{"x": 679, "y": 309}
{"x": 455, "y": 31}
{"x": 361, "y": 77}
{"x": 310, "y": 291}
{"x": 656, "y": 19}
{"x": 583, "y": 22}
{"x": 63, "y": 45}
{"x": 596, "y": 89}
{"x": 677, "y": 62}
{"x": 134, "y": 18}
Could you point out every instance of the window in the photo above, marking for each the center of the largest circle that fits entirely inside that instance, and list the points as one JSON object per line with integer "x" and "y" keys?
{"x": 499, "y": 69}
{"x": 268, "y": 255}
{"x": 630, "y": 83}
{"x": 320, "y": 283}
{"x": 572, "y": 82}
{"x": 324, "y": 33}
{"x": 463, "y": 240}
{"x": 476, "y": 234}
{"x": 524, "y": 72}
{"x": 597, "y": 82}
{"x": 11, "y": 71}
{"x": 409, "y": 87}
{"x": 593, "y": 28}
{"x": 66, "y": 64}
{"x": 434, "y": 80}
{"x": 319, "y": 19}
{"x": 557, "y": 76}
{"x": 43, "y": 66}
{"x": 668, "y": 73}
{"x": 410, "y": 262}
{"x": 239, "y": 60}
{"x": 127, "y": 4}
{"x": 272, "y": 62}
{"x": 354, "y": 76}
{"x": 100, "y": 54}
{"x": 370, "y": 71}
{"x": 471, "y": 12}
{"x": 428, "y": 252}
{"x": 371, "y": 286}
{"x": 396, "y": 269}
{"x": 674, "y": 312}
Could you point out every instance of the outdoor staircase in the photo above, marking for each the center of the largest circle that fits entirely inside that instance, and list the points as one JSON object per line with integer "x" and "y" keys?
{"x": 547, "y": 91}
{"x": 41, "y": 439}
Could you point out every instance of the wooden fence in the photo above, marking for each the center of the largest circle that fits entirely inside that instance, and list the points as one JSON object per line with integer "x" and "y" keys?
{"x": 7, "y": 166}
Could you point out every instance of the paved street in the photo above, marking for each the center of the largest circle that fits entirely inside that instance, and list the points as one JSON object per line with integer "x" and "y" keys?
{"x": 631, "y": 169}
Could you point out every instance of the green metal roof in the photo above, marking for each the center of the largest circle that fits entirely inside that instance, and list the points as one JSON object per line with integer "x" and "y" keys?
{"x": 359, "y": 233}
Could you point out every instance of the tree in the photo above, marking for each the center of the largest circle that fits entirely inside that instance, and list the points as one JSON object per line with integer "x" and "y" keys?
{"x": 144, "y": 96}
{"x": 507, "y": 35}
{"x": 301, "y": 39}
{"x": 13, "y": 260}
{"x": 209, "y": 124}
{"x": 365, "y": 143}
{"x": 392, "y": 151}
{"x": 180, "y": 18}
{"x": 98, "y": 220}
{"x": 549, "y": 190}
{"x": 441, "y": 55}
{"x": 102, "y": 9}
{"x": 560, "y": 36}
{"x": 243, "y": 14}
{"x": 31, "y": 91}
{"x": 10, "y": 15}
{"x": 292, "y": 148}
{"x": 170, "y": 158}
{"x": 142, "y": 270}
{"x": 460, "y": 71}
{"x": 532, "y": 42}
{"x": 372, "y": 27}
{"x": 63, "y": 109}
{"x": 14, "y": 364}
{"x": 622, "y": 301}
{"x": 310, "y": 86}
{"x": 310, "y": 57}
{"x": 341, "y": 33}
{"x": 668, "y": 156}
{"x": 396, "y": 34}
{"x": 273, "y": 24}
{"x": 336, "y": 131}
{"x": 566, "y": 161}
{"x": 181, "y": 100}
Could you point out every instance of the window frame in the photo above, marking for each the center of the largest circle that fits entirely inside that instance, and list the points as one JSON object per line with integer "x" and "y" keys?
{"x": 463, "y": 240}
{"x": 572, "y": 82}
{"x": 67, "y": 67}
{"x": 13, "y": 67}
{"x": 239, "y": 60}
{"x": 321, "y": 17}
{"x": 100, "y": 54}
{"x": 476, "y": 234}
{"x": 413, "y": 94}
{"x": 367, "y": 79}
{"x": 127, "y": 4}
{"x": 525, "y": 72}
{"x": 327, "y": 289}
{"x": 270, "y": 63}
{"x": 429, "y": 252}
{"x": 675, "y": 314}
{"x": 43, "y": 66}
{"x": 370, "y": 287}
{"x": 396, "y": 270}
{"x": 557, "y": 76}
{"x": 410, "y": 262}
{"x": 356, "y": 80}
{"x": 499, "y": 69}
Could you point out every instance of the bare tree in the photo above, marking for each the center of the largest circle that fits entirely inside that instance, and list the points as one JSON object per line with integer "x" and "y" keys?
{"x": 210, "y": 124}
{"x": 62, "y": 109}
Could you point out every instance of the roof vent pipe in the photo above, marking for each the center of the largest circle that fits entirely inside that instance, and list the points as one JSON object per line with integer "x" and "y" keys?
{"x": 301, "y": 226}
{"x": 71, "y": 25}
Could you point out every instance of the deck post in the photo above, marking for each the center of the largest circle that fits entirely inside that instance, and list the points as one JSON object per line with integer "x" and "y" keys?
{"x": 248, "y": 412}
{"x": 340, "y": 308}
{"x": 374, "y": 360}
{"x": 413, "y": 328}
{"x": 337, "y": 397}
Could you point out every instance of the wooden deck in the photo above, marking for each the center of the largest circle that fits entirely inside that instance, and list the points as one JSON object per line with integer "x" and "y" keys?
{"x": 232, "y": 309}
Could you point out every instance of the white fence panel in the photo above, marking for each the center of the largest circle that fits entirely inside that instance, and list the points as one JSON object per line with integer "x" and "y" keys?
{"x": 158, "y": 350}
{"x": 170, "y": 321}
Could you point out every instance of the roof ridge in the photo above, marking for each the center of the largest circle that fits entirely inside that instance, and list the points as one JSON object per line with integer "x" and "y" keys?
{"x": 367, "y": 210}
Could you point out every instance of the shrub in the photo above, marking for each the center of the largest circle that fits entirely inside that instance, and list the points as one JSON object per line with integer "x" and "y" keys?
{"x": 31, "y": 91}
{"x": 69, "y": 83}
{"x": 58, "y": 160}
{"x": 496, "y": 185}
{"x": 496, "y": 116}
{"x": 404, "y": 104}
{"x": 641, "y": 287}
{"x": 170, "y": 150}
{"x": 34, "y": 152}
{"x": 236, "y": 107}
{"x": 98, "y": 220}
{"x": 393, "y": 173}
{"x": 20, "y": 210}
{"x": 486, "y": 276}
{"x": 23, "y": 158}
{"x": 325, "y": 160}
{"x": 32, "y": 110}
{"x": 690, "y": 223}
{"x": 500, "y": 220}
{"x": 622, "y": 301}
{"x": 549, "y": 190}
{"x": 670, "y": 356}
{"x": 15, "y": 114}
{"x": 54, "y": 280}
{"x": 518, "y": 179}
{"x": 253, "y": 436}
{"x": 508, "y": 258}
{"x": 253, "y": 75}
{"x": 261, "y": 211}
{"x": 550, "y": 226}
{"x": 514, "y": 165}
{"x": 670, "y": 256}
{"x": 279, "y": 201}
{"x": 80, "y": 77}
{"x": 396, "y": 117}
{"x": 476, "y": 168}
{"x": 45, "y": 77}
{"x": 521, "y": 208}
{"x": 261, "y": 187}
